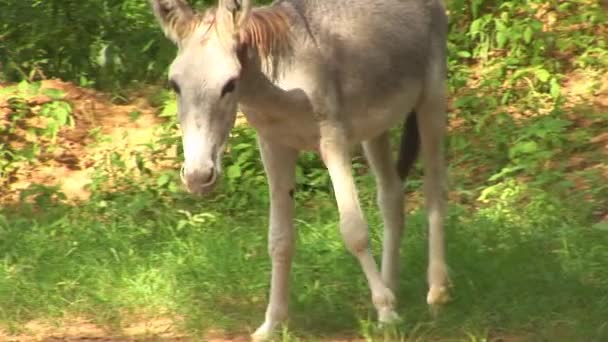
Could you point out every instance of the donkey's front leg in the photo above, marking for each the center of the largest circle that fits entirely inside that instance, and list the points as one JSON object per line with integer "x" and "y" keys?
{"x": 336, "y": 155}
{"x": 279, "y": 164}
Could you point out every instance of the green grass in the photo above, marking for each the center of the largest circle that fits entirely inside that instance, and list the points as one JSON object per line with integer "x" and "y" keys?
{"x": 535, "y": 270}
{"x": 526, "y": 232}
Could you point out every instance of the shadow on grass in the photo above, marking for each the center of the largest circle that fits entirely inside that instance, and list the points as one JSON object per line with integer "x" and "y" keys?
{"x": 545, "y": 279}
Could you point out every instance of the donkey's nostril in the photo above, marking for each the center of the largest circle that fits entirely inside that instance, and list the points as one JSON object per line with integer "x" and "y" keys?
{"x": 200, "y": 180}
{"x": 210, "y": 176}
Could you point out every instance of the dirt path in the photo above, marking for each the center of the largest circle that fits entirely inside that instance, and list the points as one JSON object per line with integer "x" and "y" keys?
{"x": 151, "y": 330}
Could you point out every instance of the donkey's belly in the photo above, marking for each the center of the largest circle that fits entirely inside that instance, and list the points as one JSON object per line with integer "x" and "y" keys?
{"x": 363, "y": 121}
{"x": 381, "y": 115}
{"x": 300, "y": 132}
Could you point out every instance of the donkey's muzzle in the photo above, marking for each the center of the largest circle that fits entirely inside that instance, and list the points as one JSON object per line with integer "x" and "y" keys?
{"x": 199, "y": 181}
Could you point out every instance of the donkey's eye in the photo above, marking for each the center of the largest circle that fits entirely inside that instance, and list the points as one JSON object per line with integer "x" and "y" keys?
{"x": 174, "y": 86}
{"x": 228, "y": 87}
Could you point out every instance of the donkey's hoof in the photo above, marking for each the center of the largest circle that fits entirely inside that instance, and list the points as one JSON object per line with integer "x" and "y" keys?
{"x": 438, "y": 295}
{"x": 387, "y": 316}
{"x": 263, "y": 333}
{"x": 261, "y": 336}
{"x": 436, "y": 298}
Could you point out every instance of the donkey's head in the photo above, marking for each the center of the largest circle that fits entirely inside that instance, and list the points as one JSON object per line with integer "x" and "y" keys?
{"x": 205, "y": 77}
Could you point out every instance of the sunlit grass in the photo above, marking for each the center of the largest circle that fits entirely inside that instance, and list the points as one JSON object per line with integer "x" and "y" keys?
{"x": 537, "y": 269}
{"x": 526, "y": 232}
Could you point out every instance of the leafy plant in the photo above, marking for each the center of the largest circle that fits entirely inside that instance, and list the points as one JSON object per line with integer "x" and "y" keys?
{"x": 23, "y": 133}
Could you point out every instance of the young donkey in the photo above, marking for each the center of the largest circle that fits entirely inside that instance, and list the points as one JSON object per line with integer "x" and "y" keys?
{"x": 319, "y": 75}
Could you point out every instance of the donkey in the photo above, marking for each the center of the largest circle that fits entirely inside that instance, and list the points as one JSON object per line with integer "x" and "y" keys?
{"x": 319, "y": 76}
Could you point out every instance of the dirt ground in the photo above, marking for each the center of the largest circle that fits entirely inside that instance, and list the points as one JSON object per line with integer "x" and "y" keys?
{"x": 82, "y": 330}
{"x": 150, "y": 330}
{"x": 76, "y": 151}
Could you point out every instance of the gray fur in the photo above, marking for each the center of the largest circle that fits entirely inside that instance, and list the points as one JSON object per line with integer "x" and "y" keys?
{"x": 350, "y": 71}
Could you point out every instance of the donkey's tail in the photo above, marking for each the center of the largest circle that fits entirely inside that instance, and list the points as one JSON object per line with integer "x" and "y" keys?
{"x": 410, "y": 146}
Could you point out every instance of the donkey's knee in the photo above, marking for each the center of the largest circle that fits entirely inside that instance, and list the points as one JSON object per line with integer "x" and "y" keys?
{"x": 354, "y": 233}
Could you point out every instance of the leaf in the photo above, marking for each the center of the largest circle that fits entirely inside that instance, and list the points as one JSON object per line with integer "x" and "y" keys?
{"x": 504, "y": 172}
{"x": 148, "y": 45}
{"x": 134, "y": 115}
{"x": 163, "y": 180}
{"x": 103, "y": 56}
{"x": 464, "y": 54}
{"x": 22, "y": 86}
{"x": 234, "y": 171}
{"x": 528, "y": 33}
{"x": 52, "y": 128}
{"x": 7, "y": 90}
{"x": 504, "y": 17}
{"x": 300, "y": 178}
{"x": 241, "y": 146}
{"x": 139, "y": 162}
{"x": 475, "y": 26}
{"x": 486, "y": 193}
{"x": 501, "y": 39}
{"x": 505, "y": 97}
{"x": 116, "y": 160}
{"x": 555, "y": 89}
{"x": 500, "y": 25}
{"x": 170, "y": 109}
{"x": 61, "y": 115}
{"x": 524, "y": 147}
{"x": 55, "y": 94}
{"x": 542, "y": 75}
{"x": 244, "y": 156}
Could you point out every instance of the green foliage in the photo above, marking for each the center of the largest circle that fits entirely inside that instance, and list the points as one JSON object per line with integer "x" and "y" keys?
{"x": 23, "y": 132}
{"x": 526, "y": 245}
{"x": 515, "y": 107}
{"x": 522, "y": 268}
{"x": 108, "y": 44}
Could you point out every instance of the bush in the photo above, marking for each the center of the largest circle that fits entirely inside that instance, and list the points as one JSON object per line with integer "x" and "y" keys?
{"x": 104, "y": 43}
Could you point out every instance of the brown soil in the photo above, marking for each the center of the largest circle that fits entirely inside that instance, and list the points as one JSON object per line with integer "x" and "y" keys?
{"x": 151, "y": 330}
{"x": 68, "y": 166}
{"x": 82, "y": 330}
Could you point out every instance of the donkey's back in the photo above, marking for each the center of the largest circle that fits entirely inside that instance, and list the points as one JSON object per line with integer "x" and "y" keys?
{"x": 372, "y": 47}
{"x": 372, "y": 61}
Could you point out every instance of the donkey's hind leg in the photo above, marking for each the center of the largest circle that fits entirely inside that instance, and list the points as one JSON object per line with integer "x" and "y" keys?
{"x": 353, "y": 226}
{"x": 432, "y": 126}
{"x": 390, "y": 201}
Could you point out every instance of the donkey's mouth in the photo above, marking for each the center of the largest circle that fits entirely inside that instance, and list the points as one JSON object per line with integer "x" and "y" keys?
{"x": 198, "y": 183}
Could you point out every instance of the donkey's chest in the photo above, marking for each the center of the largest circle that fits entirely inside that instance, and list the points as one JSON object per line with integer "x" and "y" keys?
{"x": 297, "y": 130}
{"x": 292, "y": 123}
{"x": 302, "y": 131}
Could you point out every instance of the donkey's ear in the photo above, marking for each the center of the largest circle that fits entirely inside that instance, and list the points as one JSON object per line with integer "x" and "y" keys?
{"x": 235, "y": 12}
{"x": 174, "y": 16}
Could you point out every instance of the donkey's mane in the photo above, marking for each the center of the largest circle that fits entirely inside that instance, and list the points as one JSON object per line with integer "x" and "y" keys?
{"x": 266, "y": 31}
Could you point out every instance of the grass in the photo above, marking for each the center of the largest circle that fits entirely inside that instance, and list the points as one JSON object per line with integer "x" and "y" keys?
{"x": 535, "y": 270}
{"x": 526, "y": 231}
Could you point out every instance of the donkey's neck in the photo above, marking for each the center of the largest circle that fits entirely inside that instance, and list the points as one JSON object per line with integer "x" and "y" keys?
{"x": 262, "y": 97}
{"x": 269, "y": 40}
